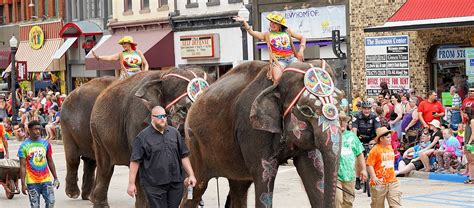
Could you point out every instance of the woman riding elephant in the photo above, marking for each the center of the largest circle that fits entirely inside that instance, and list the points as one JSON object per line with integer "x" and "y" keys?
{"x": 259, "y": 125}
{"x": 280, "y": 43}
{"x": 131, "y": 60}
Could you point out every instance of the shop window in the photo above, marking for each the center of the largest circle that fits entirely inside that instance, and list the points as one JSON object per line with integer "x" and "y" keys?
{"x": 192, "y": 4}
{"x": 145, "y": 4}
{"x": 127, "y": 8}
{"x": 46, "y": 8}
{"x": 213, "y": 2}
{"x": 162, "y": 3}
{"x": 235, "y": 1}
{"x": 56, "y": 8}
{"x": 109, "y": 8}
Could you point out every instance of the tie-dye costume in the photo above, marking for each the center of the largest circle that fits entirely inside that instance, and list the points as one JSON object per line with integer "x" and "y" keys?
{"x": 280, "y": 44}
{"x": 35, "y": 153}
{"x": 132, "y": 62}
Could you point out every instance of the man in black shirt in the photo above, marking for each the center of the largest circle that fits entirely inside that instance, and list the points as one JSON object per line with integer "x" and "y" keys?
{"x": 159, "y": 152}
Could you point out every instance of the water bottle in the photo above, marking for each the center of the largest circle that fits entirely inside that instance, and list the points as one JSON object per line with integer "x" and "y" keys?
{"x": 190, "y": 192}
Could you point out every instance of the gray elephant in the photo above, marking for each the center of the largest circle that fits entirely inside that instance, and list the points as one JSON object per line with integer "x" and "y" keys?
{"x": 120, "y": 113}
{"x": 75, "y": 130}
{"x": 252, "y": 126}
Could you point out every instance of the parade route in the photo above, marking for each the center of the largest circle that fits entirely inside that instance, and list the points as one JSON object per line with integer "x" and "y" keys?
{"x": 289, "y": 190}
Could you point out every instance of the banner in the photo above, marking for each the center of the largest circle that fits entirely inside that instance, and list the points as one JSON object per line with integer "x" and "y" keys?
{"x": 386, "y": 60}
{"x": 470, "y": 65}
{"x": 315, "y": 22}
{"x": 21, "y": 71}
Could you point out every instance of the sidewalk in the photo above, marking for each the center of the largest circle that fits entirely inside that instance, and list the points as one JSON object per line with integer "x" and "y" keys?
{"x": 455, "y": 177}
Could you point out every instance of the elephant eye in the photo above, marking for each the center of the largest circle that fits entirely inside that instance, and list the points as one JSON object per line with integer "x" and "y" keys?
{"x": 306, "y": 110}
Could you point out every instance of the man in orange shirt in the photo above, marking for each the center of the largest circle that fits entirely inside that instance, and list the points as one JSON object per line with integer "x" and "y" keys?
{"x": 430, "y": 109}
{"x": 380, "y": 162}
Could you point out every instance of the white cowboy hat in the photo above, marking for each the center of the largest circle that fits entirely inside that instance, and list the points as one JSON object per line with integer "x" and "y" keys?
{"x": 435, "y": 123}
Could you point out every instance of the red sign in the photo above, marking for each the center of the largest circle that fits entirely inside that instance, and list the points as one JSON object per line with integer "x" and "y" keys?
{"x": 21, "y": 71}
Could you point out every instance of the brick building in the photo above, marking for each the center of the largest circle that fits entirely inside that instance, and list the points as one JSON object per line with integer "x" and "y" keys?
{"x": 433, "y": 29}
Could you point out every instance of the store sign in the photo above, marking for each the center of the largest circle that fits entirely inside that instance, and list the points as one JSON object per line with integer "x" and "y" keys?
{"x": 199, "y": 46}
{"x": 470, "y": 64}
{"x": 387, "y": 60}
{"x": 36, "y": 37}
{"x": 315, "y": 22}
{"x": 21, "y": 71}
{"x": 450, "y": 54}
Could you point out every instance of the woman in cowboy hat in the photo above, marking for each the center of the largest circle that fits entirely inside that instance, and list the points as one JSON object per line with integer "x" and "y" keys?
{"x": 131, "y": 60}
{"x": 280, "y": 43}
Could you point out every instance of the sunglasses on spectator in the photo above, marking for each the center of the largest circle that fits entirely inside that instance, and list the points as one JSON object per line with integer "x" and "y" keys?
{"x": 161, "y": 116}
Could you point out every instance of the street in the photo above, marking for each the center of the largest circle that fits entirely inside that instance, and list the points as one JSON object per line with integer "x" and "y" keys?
{"x": 289, "y": 191}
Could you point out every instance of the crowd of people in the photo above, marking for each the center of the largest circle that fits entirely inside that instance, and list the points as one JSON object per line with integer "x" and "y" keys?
{"x": 400, "y": 132}
{"x": 44, "y": 107}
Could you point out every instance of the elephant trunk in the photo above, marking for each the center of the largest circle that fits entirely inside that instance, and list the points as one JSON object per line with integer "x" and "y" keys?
{"x": 330, "y": 154}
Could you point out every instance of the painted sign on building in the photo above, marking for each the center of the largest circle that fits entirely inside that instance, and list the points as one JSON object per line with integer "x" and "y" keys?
{"x": 470, "y": 64}
{"x": 199, "y": 46}
{"x": 450, "y": 54}
{"x": 386, "y": 60}
{"x": 36, "y": 37}
{"x": 21, "y": 71}
{"x": 315, "y": 22}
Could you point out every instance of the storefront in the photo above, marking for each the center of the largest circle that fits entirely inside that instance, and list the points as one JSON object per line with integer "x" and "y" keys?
{"x": 433, "y": 56}
{"x": 6, "y": 32}
{"x": 37, "y": 45}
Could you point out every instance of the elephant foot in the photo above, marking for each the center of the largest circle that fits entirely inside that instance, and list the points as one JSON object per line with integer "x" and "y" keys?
{"x": 73, "y": 193}
{"x": 101, "y": 204}
{"x": 85, "y": 196}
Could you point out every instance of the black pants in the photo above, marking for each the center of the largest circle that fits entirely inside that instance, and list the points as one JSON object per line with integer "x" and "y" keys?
{"x": 165, "y": 196}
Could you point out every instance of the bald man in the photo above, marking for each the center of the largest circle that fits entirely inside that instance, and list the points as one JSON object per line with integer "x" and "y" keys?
{"x": 159, "y": 152}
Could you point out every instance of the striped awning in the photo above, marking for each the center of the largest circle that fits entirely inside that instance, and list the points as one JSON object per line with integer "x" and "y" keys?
{"x": 38, "y": 60}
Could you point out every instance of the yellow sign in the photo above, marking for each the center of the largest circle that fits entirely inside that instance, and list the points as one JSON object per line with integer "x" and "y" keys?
{"x": 36, "y": 37}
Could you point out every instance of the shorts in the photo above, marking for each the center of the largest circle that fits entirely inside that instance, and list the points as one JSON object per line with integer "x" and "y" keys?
{"x": 418, "y": 164}
{"x": 284, "y": 62}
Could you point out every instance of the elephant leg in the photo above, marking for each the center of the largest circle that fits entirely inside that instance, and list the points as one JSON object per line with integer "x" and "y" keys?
{"x": 72, "y": 165}
{"x": 238, "y": 193}
{"x": 264, "y": 181}
{"x": 142, "y": 200}
{"x": 105, "y": 170}
{"x": 198, "y": 191}
{"x": 88, "y": 177}
{"x": 310, "y": 170}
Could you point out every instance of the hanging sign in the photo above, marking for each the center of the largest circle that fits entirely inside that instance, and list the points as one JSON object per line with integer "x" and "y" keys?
{"x": 36, "y": 37}
{"x": 21, "y": 71}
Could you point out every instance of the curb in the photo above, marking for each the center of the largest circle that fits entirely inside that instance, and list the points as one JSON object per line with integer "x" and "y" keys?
{"x": 438, "y": 176}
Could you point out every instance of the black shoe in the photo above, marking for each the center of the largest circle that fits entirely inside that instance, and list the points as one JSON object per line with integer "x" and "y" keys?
{"x": 357, "y": 185}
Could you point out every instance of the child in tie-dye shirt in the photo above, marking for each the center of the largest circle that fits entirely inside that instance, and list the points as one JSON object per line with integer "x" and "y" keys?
{"x": 36, "y": 163}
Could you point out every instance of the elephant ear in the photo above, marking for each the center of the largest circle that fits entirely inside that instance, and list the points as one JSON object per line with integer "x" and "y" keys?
{"x": 265, "y": 113}
{"x": 148, "y": 91}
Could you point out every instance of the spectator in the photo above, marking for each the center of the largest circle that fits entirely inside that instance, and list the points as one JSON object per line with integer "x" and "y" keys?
{"x": 430, "y": 109}
{"x": 385, "y": 91}
{"x": 3, "y": 107}
{"x": 47, "y": 105}
{"x": 396, "y": 115}
{"x": 20, "y": 132}
{"x": 412, "y": 93}
{"x": 356, "y": 102}
{"x": 351, "y": 153}
{"x": 42, "y": 97}
{"x": 455, "y": 108}
{"x": 449, "y": 149}
{"x": 410, "y": 123}
{"x": 436, "y": 135}
{"x": 405, "y": 102}
{"x": 383, "y": 184}
{"x": 383, "y": 121}
{"x": 468, "y": 102}
{"x": 468, "y": 144}
{"x": 30, "y": 95}
{"x": 411, "y": 160}
{"x": 3, "y": 146}
{"x": 54, "y": 122}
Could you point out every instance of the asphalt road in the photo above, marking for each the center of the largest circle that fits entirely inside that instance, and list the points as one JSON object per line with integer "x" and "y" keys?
{"x": 289, "y": 191}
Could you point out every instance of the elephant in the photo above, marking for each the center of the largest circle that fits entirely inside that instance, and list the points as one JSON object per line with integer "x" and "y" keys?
{"x": 77, "y": 139}
{"x": 245, "y": 136}
{"x": 123, "y": 110}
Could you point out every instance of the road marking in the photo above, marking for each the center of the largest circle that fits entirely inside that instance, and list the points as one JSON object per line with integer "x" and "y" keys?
{"x": 452, "y": 198}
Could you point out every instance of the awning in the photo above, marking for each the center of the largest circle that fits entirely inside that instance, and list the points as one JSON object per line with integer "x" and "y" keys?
{"x": 156, "y": 45}
{"x": 38, "y": 60}
{"x": 64, "y": 47}
{"x": 80, "y": 28}
{"x": 429, "y": 14}
{"x": 5, "y": 58}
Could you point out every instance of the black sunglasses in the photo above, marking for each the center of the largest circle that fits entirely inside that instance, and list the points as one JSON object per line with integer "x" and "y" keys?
{"x": 161, "y": 116}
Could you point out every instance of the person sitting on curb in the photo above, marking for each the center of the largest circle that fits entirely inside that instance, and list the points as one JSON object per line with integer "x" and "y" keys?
{"x": 383, "y": 183}
{"x": 436, "y": 136}
{"x": 411, "y": 160}
{"x": 450, "y": 149}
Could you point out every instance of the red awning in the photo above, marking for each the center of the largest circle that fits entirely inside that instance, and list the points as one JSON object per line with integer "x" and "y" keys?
{"x": 429, "y": 14}
{"x": 5, "y": 58}
{"x": 80, "y": 28}
{"x": 157, "y": 47}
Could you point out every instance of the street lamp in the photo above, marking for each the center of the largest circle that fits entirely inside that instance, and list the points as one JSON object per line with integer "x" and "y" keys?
{"x": 13, "y": 46}
{"x": 244, "y": 12}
